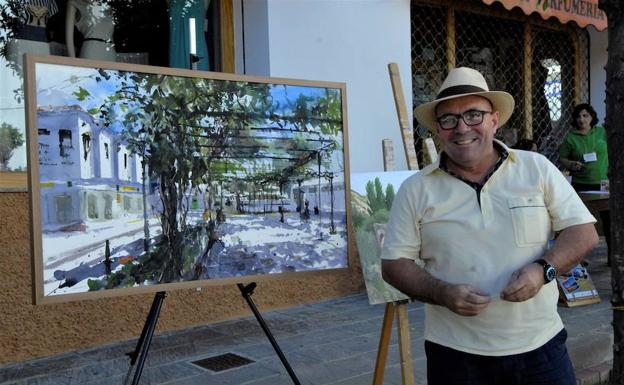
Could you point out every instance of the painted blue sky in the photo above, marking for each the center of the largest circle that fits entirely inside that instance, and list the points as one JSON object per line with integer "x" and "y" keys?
{"x": 359, "y": 179}
{"x": 56, "y": 85}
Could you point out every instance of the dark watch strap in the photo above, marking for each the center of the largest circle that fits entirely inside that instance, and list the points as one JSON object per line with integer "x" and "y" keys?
{"x": 550, "y": 272}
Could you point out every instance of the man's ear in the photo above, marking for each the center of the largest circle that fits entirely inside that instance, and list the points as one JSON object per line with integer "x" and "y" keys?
{"x": 495, "y": 119}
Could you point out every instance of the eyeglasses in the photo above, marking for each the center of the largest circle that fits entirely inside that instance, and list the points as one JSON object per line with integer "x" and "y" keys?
{"x": 470, "y": 117}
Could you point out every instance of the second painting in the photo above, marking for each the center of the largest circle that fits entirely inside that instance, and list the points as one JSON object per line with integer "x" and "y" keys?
{"x": 372, "y": 195}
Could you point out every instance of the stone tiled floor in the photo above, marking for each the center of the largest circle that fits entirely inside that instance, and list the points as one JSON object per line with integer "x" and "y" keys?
{"x": 330, "y": 342}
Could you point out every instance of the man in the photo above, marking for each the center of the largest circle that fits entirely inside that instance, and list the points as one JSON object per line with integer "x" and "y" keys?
{"x": 469, "y": 235}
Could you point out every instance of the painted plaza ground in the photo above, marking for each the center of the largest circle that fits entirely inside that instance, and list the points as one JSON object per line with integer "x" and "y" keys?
{"x": 248, "y": 245}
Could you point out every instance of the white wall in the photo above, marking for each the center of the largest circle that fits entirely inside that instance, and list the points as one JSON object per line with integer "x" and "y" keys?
{"x": 253, "y": 34}
{"x": 597, "y": 61}
{"x": 349, "y": 41}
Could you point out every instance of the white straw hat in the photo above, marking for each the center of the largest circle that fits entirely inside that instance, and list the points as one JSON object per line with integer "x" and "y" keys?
{"x": 464, "y": 81}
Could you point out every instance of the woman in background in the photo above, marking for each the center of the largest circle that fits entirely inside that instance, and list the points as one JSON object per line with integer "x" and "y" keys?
{"x": 584, "y": 153}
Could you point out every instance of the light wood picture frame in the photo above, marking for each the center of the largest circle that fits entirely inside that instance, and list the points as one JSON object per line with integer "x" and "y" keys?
{"x": 145, "y": 179}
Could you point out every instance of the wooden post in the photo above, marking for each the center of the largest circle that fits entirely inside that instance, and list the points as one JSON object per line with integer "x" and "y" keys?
{"x": 450, "y": 38}
{"x": 388, "y": 154}
{"x": 226, "y": 13}
{"x": 406, "y": 132}
{"x": 527, "y": 131}
{"x": 577, "y": 67}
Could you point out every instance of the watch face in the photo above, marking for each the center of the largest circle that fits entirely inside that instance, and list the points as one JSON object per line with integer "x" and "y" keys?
{"x": 550, "y": 273}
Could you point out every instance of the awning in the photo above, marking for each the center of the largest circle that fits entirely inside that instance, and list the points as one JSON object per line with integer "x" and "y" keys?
{"x": 583, "y": 12}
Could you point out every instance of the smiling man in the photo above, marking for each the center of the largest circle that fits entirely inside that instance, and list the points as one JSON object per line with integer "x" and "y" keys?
{"x": 469, "y": 235}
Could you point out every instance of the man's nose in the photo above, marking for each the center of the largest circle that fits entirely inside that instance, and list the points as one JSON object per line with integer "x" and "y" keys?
{"x": 461, "y": 126}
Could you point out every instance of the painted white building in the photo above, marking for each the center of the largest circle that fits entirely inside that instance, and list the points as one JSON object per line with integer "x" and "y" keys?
{"x": 309, "y": 190}
{"x": 85, "y": 173}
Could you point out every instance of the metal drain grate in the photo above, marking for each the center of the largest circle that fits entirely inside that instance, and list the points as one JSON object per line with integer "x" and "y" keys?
{"x": 223, "y": 362}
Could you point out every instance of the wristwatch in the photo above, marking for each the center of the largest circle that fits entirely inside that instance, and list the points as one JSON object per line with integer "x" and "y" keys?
{"x": 550, "y": 272}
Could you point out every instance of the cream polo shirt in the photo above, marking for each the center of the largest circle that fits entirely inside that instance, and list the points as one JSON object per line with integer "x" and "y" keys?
{"x": 437, "y": 221}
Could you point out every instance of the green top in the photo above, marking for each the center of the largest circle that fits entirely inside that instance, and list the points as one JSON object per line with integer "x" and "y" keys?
{"x": 576, "y": 144}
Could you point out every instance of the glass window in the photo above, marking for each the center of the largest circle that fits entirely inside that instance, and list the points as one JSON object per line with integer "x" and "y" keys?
{"x": 174, "y": 33}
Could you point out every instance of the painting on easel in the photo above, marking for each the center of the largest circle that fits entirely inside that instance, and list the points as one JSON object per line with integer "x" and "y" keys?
{"x": 147, "y": 179}
{"x": 372, "y": 194}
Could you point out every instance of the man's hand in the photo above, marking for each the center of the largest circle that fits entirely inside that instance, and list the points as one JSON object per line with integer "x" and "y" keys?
{"x": 464, "y": 299}
{"x": 418, "y": 284}
{"x": 524, "y": 284}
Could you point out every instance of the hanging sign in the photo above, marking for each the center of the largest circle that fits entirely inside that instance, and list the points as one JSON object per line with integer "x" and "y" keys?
{"x": 583, "y": 12}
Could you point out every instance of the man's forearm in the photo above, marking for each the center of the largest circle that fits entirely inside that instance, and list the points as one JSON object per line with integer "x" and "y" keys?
{"x": 412, "y": 280}
{"x": 565, "y": 162}
{"x": 571, "y": 246}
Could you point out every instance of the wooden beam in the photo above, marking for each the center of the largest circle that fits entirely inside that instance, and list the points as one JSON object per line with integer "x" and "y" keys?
{"x": 387, "y": 149}
{"x": 576, "y": 43}
{"x": 406, "y": 132}
{"x": 527, "y": 130}
{"x": 226, "y": 13}
{"x": 451, "y": 56}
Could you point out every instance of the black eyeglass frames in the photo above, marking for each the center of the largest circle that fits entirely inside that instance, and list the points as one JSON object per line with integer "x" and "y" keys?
{"x": 470, "y": 117}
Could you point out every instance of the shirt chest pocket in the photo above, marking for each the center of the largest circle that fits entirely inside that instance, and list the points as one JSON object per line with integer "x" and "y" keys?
{"x": 531, "y": 222}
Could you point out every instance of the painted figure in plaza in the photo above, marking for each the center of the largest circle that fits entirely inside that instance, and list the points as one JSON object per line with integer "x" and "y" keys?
{"x": 468, "y": 235}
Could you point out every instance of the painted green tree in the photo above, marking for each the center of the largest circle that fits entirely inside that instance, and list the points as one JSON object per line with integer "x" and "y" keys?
{"x": 186, "y": 129}
{"x": 379, "y": 201}
{"x": 196, "y": 134}
{"x": 389, "y": 196}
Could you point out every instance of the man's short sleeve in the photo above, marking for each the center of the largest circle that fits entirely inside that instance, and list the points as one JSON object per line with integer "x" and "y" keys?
{"x": 564, "y": 205}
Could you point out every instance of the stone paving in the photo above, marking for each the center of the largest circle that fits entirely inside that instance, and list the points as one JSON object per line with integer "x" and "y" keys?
{"x": 331, "y": 342}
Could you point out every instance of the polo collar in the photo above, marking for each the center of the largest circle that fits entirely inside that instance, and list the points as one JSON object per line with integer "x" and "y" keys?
{"x": 504, "y": 151}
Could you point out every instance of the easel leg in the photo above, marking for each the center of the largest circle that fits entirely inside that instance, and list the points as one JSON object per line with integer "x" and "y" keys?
{"x": 407, "y": 368}
{"x": 405, "y": 347}
{"x": 384, "y": 342}
{"x": 247, "y": 291}
{"x": 145, "y": 340}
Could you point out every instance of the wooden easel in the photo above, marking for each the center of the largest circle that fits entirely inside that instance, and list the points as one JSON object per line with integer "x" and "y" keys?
{"x": 407, "y": 369}
{"x": 398, "y": 307}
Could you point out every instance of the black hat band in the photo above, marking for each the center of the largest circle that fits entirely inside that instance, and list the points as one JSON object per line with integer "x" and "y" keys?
{"x": 459, "y": 90}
